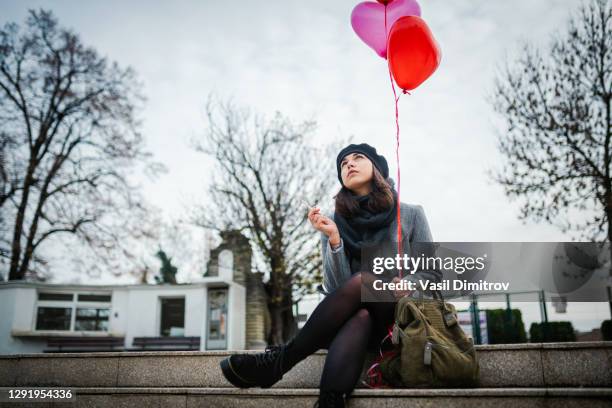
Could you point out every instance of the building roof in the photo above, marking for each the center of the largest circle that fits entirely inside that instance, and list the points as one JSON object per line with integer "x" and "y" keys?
{"x": 205, "y": 282}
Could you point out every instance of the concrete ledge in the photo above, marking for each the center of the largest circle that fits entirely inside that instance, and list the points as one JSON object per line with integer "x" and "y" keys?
{"x": 511, "y": 367}
{"x": 305, "y": 398}
{"x": 589, "y": 367}
{"x": 170, "y": 371}
{"x": 479, "y": 347}
{"x": 587, "y": 364}
{"x": 8, "y": 372}
{"x": 396, "y": 392}
{"x": 79, "y": 372}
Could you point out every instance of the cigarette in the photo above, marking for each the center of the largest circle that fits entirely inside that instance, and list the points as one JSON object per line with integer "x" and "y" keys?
{"x": 308, "y": 205}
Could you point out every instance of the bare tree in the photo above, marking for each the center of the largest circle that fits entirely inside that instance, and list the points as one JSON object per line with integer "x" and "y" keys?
{"x": 8, "y": 188}
{"x": 70, "y": 139}
{"x": 264, "y": 169}
{"x": 556, "y": 108}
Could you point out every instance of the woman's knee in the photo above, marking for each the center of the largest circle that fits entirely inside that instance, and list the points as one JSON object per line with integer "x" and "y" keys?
{"x": 353, "y": 284}
{"x": 352, "y": 288}
{"x": 360, "y": 278}
{"x": 355, "y": 278}
{"x": 363, "y": 317}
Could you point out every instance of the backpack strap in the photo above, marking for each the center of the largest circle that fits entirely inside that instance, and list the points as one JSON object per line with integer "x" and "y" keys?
{"x": 447, "y": 313}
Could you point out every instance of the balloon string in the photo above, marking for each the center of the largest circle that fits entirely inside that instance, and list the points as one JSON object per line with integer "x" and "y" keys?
{"x": 396, "y": 99}
{"x": 397, "y": 146}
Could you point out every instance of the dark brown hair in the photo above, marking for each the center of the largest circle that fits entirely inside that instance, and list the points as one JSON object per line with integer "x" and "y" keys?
{"x": 381, "y": 197}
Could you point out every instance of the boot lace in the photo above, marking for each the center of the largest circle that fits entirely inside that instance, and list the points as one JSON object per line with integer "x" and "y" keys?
{"x": 270, "y": 355}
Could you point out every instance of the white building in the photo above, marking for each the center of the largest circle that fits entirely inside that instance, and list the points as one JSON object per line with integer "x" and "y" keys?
{"x": 32, "y": 313}
{"x": 225, "y": 310}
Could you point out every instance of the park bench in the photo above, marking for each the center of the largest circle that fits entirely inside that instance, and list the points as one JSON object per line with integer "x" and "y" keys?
{"x": 84, "y": 344}
{"x": 165, "y": 343}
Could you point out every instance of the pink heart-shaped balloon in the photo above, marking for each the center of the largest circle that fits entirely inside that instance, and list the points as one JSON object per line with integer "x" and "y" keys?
{"x": 368, "y": 21}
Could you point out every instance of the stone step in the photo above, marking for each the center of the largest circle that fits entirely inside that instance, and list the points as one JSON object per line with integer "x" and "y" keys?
{"x": 540, "y": 365}
{"x": 362, "y": 398}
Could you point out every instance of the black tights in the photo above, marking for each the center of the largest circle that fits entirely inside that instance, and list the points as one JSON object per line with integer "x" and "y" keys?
{"x": 345, "y": 325}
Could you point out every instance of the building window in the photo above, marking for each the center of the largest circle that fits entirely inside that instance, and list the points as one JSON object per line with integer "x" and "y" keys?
{"x": 91, "y": 319}
{"x": 73, "y": 311}
{"x": 172, "y": 316}
{"x": 94, "y": 298}
{"x": 56, "y": 296}
{"x": 216, "y": 337}
{"x": 53, "y": 318}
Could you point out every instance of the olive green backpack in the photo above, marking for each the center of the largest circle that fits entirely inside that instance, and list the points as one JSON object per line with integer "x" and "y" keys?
{"x": 432, "y": 350}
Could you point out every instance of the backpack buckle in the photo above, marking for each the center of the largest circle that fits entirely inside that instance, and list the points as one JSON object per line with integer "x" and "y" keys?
{"x": 395, "y": 336}
{"x": 427, "y": 354}
{"x": 449, "y": 319}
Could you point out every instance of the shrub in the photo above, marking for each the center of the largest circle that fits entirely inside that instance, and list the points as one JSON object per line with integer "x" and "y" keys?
{"x": 555, "y": 331}
{"x": 606, "y": 329}
{"x": 500, "y": 330}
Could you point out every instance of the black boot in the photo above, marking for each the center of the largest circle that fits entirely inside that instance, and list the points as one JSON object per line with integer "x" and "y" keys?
{"x": 257, "y": 370}
{"x": 330, "y": 399}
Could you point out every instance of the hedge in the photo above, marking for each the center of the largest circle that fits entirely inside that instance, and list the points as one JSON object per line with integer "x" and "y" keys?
{"x": 501, "y": 331}
{"x": 556, "y": 331}
{"x": 606, "y": 330}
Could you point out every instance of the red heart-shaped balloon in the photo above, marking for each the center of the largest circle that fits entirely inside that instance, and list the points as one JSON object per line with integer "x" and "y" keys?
{"x": 412, "y": 52}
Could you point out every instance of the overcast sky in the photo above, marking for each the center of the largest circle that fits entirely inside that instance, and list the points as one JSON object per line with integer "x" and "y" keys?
{"x": 303, "y": 59}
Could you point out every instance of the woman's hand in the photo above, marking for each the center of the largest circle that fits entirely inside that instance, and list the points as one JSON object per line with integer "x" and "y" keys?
{"x": 398, "y": 293}
{"x": 324, "y": 224}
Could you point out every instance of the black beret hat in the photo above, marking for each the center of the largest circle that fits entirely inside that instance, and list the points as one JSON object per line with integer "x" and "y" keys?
{"x": 370, "y": 152}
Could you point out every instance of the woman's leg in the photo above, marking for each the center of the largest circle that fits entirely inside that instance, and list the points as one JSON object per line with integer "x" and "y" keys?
{"x": 326, "y": 320}
{"x": 334, "y": 311}
{"x": 265, "y": 369}
{"x": 346, "y": 354}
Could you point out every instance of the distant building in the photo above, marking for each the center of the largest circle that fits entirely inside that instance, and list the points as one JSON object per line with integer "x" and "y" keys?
{"x": 225, "y": 310}
{"x": 235, "y": 254}
{"x": 593, "y": 335}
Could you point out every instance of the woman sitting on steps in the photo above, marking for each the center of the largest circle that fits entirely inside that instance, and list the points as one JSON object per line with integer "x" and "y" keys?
{"x": 342, "y": 323}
